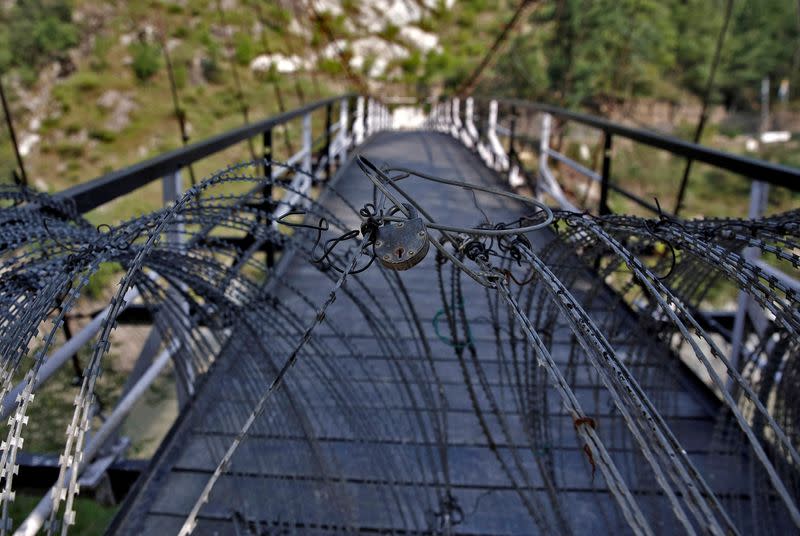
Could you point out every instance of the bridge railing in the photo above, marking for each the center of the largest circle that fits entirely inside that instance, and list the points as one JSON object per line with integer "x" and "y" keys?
{"x": 481, "y": 124}
{"x": 316, "y": 157}
{"x": 348, "y": 120}
{"x": 491, "y": 128}
{"x": 370, "y": 116}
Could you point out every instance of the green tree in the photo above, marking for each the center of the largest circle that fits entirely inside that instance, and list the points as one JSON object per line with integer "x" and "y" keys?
{"x": 146, "y": 60}
{"x": 697, "y": 24}
{"x": 244, "y": 49}
{"x": 764, "y": 37}
{"x": 36, "y": 32}
{"x": 608, "y": 48}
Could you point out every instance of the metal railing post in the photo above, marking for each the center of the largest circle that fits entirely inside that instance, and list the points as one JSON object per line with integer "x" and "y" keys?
{"x": 476, "y": 121}
{"x": 455, "y": 127}
{"x": 368, "y": 121}
{"x": 606, "y": 176}
{"x": 327, "y": 150}
{"x": 480, "y": 135}
{"x": 468, "y": 119}
{"x": 758, "y": 201}
{"x": 490, "y": 129}
{"x": 172, "y": 188}
{"x": 269, "y": 246}
{"x": 513, "y": 169}
{"x": 473, "y": 136}
{"x": 267, "y": 141}
{"x": 343, "y": 134}
{"x": 307, "y": 144}
{"x": 500, "y": 161}
{"x": 682, "y": 188}
{"x": 358, "y": 126}
{"x": 448, "y": 111}
{"x": 544, "y": 145}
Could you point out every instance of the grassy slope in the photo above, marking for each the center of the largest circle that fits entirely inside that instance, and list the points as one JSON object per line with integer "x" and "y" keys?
{"x": 65, "y": 157}
{"x": 153, "y": 128}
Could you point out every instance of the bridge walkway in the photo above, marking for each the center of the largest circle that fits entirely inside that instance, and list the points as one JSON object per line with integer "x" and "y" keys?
{"x": 353, "y": 440}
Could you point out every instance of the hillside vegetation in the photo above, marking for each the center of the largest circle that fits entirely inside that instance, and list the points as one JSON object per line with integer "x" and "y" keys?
{"x": 90, "y": 91}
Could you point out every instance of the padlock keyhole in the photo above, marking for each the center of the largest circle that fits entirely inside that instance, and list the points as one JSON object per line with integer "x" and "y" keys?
{"x": 400, "y": 253}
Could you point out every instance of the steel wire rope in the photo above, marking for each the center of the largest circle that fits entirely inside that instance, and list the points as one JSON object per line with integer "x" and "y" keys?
{"x": 189, "y": 523}
{"x": 652, "y": 285}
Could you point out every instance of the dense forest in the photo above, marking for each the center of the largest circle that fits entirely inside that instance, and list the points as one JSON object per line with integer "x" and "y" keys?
{"x": 577, "y": 51}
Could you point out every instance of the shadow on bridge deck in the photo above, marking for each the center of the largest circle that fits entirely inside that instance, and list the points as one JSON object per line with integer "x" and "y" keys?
{"x": 379, "y": 429}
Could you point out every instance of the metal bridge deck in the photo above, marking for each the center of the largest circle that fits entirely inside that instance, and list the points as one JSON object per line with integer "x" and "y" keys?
{"x": 329, "y": 456}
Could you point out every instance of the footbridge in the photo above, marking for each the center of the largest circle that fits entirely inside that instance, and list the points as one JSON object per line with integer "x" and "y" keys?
{"x": 453, "y": 329}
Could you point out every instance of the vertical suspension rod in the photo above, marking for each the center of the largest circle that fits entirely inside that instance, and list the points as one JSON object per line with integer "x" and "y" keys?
{"x": 237, "y": 82}
{"x": 275, "y": 81}
{"x": 180, "y": 113}
{"x": 23, "y": 177}
{"x": 701, "y": 123}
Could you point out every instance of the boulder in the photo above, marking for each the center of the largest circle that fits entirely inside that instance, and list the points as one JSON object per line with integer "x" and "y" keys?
{"x": 119, "y": 106}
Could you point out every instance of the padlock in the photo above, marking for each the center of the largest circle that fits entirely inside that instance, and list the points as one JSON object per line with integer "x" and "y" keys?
{"x": 401, "y": 245}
